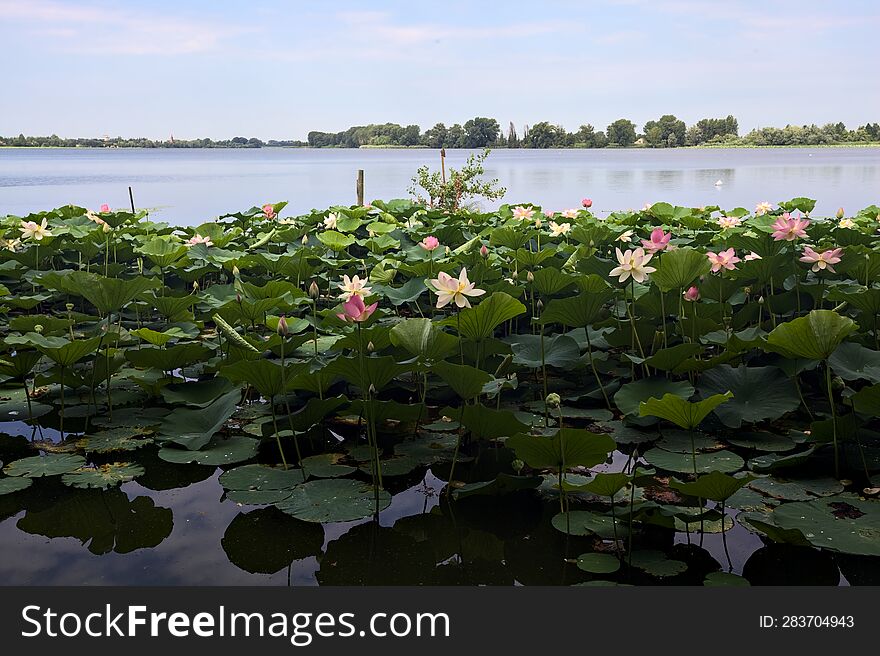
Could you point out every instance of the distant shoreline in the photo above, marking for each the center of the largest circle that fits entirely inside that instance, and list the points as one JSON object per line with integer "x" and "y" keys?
{"x": 367, "y": 147}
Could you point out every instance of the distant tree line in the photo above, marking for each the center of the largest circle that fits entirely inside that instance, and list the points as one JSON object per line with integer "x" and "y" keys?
{"x": 668, "y": 131}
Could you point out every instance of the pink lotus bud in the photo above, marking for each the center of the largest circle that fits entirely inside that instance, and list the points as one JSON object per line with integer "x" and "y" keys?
{"x": 269, "y": 211}
{"x": 587, "y": 203}
{"x": 430, "y": 243}
{"x": 105, "y": 208}
{"x": 314, "y": 292}
{"x": 692, "y": 294}
{"x": 840, "y": 213}
{"x": 283, "y": 328}
{"x": 484, "y": 251}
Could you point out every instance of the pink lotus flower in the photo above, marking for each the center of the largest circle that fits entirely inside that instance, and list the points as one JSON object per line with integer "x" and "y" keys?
{"x": 788, "y": 229}
{"x": 587, "y": 203}
{"x": 659, "y": 241}
{"x": 430, "y": 243}
{"x": 269, "y": 211}
{"x": 726, "y": 222}
{"x": 823, "y": 260}
{"x": 549, "y": 214}
{"x": 692, "y": 294}
{"x": 723, "y": 260}
{"x": 449, "y": 289}
{"x": 520, "y": 212}
{"x": 354, "y": 310}
{"x": 198, "y": 239}
{"x": 105, "y": 208}
{"x": 752, "y": 256}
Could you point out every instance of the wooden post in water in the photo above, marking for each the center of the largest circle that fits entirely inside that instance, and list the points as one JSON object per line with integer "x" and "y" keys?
{"x": 131, "y": 198}
{"x": 360, "y": 187}
{"x": 443, "y": 176}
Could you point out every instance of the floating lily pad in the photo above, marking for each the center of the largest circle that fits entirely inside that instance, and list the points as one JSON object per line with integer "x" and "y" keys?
{"x": 708, "y": 525}
{"x": 750, "y": 500}
{"x": 679, "y": 441}
{"x": 629, "y": 435}
{"x": 17, "y": 409}
{"x": 266, "y": 541}
{"x": 797, "y": 490}
{"x": 584, "y": 522}
{"x": 103, "y": 476}
{"x": 598, "y": 563}
{"x": 260, "y": 477}
{"x": 725, "y": 579}
{"x": 10, "y": 484}
{"x": 629, "y": 396}
{"x": 840, "y": 523}
{"x": 218, "y": 452}
{"x": 49, "y": 465}
{"x": 326, "y": 465}
{"x": 258, "y": 497}
{"x": 657, "y": 564}
{"x": 501, "y": 484}
{"x": 772, "y": 461}
{"x": 759, "y": 393}
{"x": 115, "y": 439}
{"x": 334, "y": 500}
{"x": 763, "y": 441}
{"x": 723, "y": 461}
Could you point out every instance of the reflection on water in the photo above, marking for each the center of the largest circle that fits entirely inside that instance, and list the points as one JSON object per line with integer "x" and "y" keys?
{"x": 190, "y": 186}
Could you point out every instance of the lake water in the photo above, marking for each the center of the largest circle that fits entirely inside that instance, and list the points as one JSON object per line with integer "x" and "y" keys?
{"x": 191, "y": 186}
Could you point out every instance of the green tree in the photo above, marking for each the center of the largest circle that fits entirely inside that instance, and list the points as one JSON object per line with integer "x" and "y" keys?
{"x": 435, "y": 137}
{"x": 545, "y": 135}
{"x": 622, "y": 132}
{"x": 481, "y": 132}
{"x": 657, "y": 133}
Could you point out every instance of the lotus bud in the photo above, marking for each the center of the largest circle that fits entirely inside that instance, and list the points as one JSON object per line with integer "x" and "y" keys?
{"x": 235, "y": 271}
{"x": 140, "y": 265}
{"x": 517, "y": 465}
{"x": 283, "y": 329}
{"x": 837, "y": 383}
{"x": 760, "y": 300}
{"x": 38, "y": 329}
{"x": 515, "y": 275}
{"x": 106, "y": 228}
{"x": 539, "y": 305}
{"x": 530, "y": 277}
{"x": 305, "y": 240}
{"x": 484, "y": 251}
{"x": 587, "y": 203}
{"x": 553, "y": 400}
{"x": 196, "y": 286}
{"x": 448, "y": 251}
{"x": 840, "y": 213}
{"x": 370, "y": 347}
{"x": 314, "y": 291}
{"x": 470, "y": 222}
{"x": 69, "y": 307}
{"x": 538, "y": 223}
{"x": 747, "y": 290}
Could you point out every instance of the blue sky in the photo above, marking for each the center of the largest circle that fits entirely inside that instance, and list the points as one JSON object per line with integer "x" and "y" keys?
{"x": 279, "y": 69}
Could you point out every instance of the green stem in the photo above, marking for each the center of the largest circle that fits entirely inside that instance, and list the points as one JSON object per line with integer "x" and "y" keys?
{"x": 833, "y": 420}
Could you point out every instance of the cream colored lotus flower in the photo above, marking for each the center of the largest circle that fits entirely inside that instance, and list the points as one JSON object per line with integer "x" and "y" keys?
{"x": 847, "y": 223}
{"x": 525, "y": 213}
{"x": 559, "y": 229}
{"x": 632, "y": 263}
{"x": 330, "y": 221}
{"x": 10, "y": 244}
{"x": 763, "y": 208}
{"x": 34, "y": 230}
{"x": 197, "y": 239}
{"x": 354, "y": 287}
{"x": 449, "y": 289}
{"x": 569, "y": 213}
{"x": 726, "y": 222}
{"x": 625, "y": 236}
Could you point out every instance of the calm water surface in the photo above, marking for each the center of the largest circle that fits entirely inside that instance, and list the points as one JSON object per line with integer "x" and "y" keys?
{"x": 190, "y": 186}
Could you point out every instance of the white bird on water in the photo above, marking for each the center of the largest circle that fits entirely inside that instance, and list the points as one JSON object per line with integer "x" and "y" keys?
{"x": 718, "y": 183}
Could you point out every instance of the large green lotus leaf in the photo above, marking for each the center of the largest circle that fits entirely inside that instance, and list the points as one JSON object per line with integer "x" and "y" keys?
{"x": 260, "y": 477}
{"x": 714, "y": 485}
{"x": 569, "y": 447}
{"x": 549, "y": 280}
{"x": 722, "y": 461}
{"x": 867, "y": 400}
{"x": 310, "y": 414}
{"x": 684, "y": 441}
{"x": 583, "y": 309}
{"x": 193, "y": 428}
{"x": 631, "y": 395}
{"x": 157, "y": 338}
{"x": 217, "y": 452}
{"x": 63, "y": 351}
{"x": 671, "y": 359}
{"x": 105, "y": 520}
{"x": 853, "y": 361}
{"x": 842, "y": 523}
{"x": 258, "y": 497}
{"x": 174, "y": 308}
{"x": 558, "y": 351}
{"x": 598, "y": 563}
{"x": 725, "y": 579}
{"x": 798, "y": 489}
{"x": 584, "y": 522}
{"x": 501, "y": 484}
{"x": 423, "y": 451}
{"x": 623, "y": 434}
{"x": 762, "y": 441}
{"x": 266, "y": 541}
{"x": 198, "y": 393}
{"x": 19, "y": 364}
{"x": 327, "y": 465}
{"x": 334, "y": 500}
{"x": 759, "y": 393}
{"x": 604, "y": 484}
{"x": 335, "y": 241}
{"x": 112, "y": 294}
{"x": 382, "y": 411}
{"x": 480, "y": 321}
{"x": 486, "y": 423}
{"x": 656, "y": 563}
{"x": 115, "y": 439}
{"x": 712, "y": 524}
{"x": 466, "y": 381}
{"x": 14, "y": 405}
{"x": 50, "y": 464}
{"x": 162, "y": 251}
{"x": 377, "y": 371}
{"x": 677, "y": 269}
{"x": 268, "y": 377}
{"x": 772, "y": 461}
{"x": 10, "y": 484}
{"x": 509, "y": 238}
{"x": 424, "y": 340}
{"x": 682, "y": 413}
{"x": 532, "y": 259}
{"x": 814, "y": 336}
{"x": 169, "y": 359}
{"x": 103, "y": 476}
{"x": 411, "y": 290}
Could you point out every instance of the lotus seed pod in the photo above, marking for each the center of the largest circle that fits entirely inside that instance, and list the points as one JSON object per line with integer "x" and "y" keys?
{"x": 38, "y": 329}
{"x": 553, "y": 400}
{"x": 69, "y": 307}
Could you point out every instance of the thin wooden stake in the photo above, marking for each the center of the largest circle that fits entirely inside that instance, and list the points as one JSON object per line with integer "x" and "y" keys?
{"x": 131, "y": 198}
{"x": 360, "y": 187}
